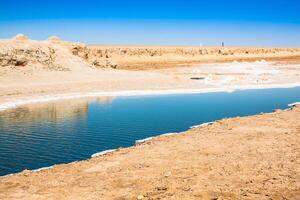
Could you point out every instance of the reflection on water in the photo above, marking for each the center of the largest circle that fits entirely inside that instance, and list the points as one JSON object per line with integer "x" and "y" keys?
{"x": 41, "y": 135}
{"x": 52, "y": 111}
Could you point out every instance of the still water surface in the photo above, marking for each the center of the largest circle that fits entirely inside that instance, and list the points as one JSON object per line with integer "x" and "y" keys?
{"x": 41, "y": 135}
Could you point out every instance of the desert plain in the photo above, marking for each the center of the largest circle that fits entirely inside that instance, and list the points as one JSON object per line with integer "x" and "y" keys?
{"x": 33, "y": 68}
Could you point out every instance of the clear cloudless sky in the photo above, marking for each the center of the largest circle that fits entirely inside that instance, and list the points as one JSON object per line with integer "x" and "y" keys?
{"x": 164, "y": 22}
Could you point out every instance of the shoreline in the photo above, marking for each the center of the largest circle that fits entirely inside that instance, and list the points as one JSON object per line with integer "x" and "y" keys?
{"x": 139, "y": 142}
{"x": 107, "y": 151}
{"x": 284, "y": 123}
{"x": 123, "y": 93}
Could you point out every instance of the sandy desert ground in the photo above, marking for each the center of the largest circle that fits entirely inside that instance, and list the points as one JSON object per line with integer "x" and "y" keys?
{"x": 255, "y": 157}
{"x": 31, "y": 68}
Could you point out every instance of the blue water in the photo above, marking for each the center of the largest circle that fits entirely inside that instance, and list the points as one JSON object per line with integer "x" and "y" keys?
{"x": 36, "y": 136}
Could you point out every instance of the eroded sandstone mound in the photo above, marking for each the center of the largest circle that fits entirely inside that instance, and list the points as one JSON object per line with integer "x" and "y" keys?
{"x": 96, "y": 57}
{"x": 23, "y": 52}
{"x": 21, "y": 57}
{"x": 159, "y": 57}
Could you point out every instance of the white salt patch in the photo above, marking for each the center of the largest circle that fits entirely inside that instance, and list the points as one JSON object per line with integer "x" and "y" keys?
{"x": 201, "y": 125}
{"x": 143, "y": 140}
{"x": 35, "y": 170}
{"x": 255, "y": 68}
{"x": 230, "y": 90}
{"x": 150, "y": 138}
{"x": 268, "y": 86}
{"x": 294, "y": 104}
{"x": 7, "y": 175}
{"x": 168, "y": 134}
{"x": 42, "y": 169}
{"x": 101, "y": 153}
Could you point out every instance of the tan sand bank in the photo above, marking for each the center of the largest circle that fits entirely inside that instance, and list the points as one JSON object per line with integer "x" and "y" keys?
{"x": 255, "y": 157}
{"x": 31, "y": 68}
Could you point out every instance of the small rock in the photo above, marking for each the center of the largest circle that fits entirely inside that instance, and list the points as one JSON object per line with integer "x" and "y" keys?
{"x": 161, "y": 188}
{"x": 167, "y": 174}
{"x": 21, "y": 62}
{"x": 140, "y": 197}
{"x": 110, "y": 64}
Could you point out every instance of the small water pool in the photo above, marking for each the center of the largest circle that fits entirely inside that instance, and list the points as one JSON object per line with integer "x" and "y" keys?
{"x": 41, "y": 135}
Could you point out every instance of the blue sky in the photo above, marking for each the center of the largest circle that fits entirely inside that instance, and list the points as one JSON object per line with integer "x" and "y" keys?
{"x": 177, "y": 22}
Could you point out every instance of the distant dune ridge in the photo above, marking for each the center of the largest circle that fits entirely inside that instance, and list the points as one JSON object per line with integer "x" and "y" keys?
{"x": 21, "y": 51}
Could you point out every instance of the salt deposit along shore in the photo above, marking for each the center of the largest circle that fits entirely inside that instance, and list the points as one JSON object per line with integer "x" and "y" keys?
{"x": 254, "y": 157}
{"x": 70, "y": 96}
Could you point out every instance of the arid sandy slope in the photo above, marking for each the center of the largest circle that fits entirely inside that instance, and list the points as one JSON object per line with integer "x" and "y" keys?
{"x": 254, "y": 157}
